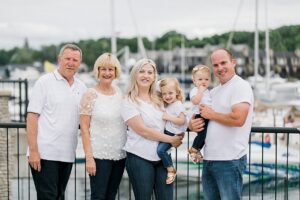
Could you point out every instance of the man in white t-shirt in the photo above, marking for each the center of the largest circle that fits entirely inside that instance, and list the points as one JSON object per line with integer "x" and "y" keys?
{"x": 52, "y": 125}
{"x": 228, "y": 130}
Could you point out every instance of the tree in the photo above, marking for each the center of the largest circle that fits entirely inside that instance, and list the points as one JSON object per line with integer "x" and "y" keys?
{"x": 22, "y": 55}
{"x": 286, "y": 38}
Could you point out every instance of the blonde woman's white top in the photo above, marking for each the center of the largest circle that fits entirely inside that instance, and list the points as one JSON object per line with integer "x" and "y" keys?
{"x": 107, "y": 129}
{"x": 152, "y": 117}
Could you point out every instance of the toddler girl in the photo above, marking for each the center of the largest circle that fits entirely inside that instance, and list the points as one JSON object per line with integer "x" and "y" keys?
{"x": 175, "y": 117}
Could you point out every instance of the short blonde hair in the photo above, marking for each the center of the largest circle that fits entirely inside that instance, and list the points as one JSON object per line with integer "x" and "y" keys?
{"x": 201, "y": 68}
{"x": 107, "y": 60}
{"x": 178, "y": 89}
{"x": 132, "y": 90}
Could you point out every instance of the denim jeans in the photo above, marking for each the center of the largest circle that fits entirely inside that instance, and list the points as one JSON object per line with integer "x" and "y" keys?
{"x": 104, "y": 185}
{"x": 51, "y": 181}
{"x": 146, "y": 176}
{"x": 162, "y": 151}
{"x": 199, "y": 140}
{"x": 223, "y": 179}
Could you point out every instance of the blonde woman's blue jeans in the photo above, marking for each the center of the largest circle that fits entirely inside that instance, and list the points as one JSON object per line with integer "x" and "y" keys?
{"x": 148, "y": 176}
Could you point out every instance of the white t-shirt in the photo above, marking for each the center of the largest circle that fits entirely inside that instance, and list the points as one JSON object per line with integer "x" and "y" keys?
{"x": 206, "y": 99}
{"x": 152, "y": 117}
{"x": 229, "y": 142}
{"x": 58, "y": 105}
{"x": 175, "y": 109}
{"x": 107, "y": 128}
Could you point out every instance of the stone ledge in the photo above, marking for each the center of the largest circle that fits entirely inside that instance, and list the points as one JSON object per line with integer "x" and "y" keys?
{"x": 4, "y": 93}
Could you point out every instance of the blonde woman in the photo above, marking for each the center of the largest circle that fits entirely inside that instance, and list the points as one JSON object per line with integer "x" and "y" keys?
{"x": 103, "y": 130}
{"x": 142, "y": 112}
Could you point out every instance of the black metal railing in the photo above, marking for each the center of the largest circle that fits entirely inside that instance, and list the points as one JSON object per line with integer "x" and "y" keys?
{"x": 19, "y": 98}
{"x": 273, "y": 169}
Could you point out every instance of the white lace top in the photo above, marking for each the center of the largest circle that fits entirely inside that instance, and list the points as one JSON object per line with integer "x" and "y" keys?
{"x": 107, "y": 129}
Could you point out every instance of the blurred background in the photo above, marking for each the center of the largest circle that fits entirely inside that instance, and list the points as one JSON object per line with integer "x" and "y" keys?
{"x": 264, "y": 36}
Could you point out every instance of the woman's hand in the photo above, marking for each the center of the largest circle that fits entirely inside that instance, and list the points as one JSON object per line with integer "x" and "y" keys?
{"x": 90, "y": 166}
{"x": 196, "y": 125}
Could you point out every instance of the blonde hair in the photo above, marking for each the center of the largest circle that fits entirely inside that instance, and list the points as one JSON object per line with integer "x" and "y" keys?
{"x": 172, "y": 80}
{"x": 201, "y": 68}
{"x": 132, "y": 91}
{"x": 107, "y": 60}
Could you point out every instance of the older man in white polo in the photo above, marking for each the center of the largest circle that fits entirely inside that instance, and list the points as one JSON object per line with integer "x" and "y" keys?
{"x": 52, "y": 125}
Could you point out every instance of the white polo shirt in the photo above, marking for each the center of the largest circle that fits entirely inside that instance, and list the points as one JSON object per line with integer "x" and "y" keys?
{"x": 229, "y": 142}
{"x": 58, "y": 105}
{"x": 152, "y": 118}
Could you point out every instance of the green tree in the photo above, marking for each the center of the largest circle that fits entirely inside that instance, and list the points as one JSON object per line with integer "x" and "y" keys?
{"x": 5, "y": 56}
{"x": 286, "y": 38}
{"x": 22, "y": 55}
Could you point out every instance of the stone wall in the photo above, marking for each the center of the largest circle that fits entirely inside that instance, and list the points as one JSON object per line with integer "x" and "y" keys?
{"x": 5, "y": 182}
{"x": 4, "y": 113}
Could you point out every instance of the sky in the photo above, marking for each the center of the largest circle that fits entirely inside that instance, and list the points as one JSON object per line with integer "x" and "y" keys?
{"x": 45, "y": 22}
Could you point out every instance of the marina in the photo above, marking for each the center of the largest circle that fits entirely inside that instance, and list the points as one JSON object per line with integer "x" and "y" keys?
{"x": 273, "y": 159}
{"x": 273, "y": 168}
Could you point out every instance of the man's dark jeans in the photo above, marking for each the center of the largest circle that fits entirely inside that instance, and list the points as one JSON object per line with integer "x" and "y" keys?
{"x": 51, "y": 181}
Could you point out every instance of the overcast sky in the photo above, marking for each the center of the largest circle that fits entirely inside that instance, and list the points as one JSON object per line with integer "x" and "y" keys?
{"x": 46, "y": 22}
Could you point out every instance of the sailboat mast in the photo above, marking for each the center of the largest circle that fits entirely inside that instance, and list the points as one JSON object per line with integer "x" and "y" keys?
{"x": 256, "y": 45}
{"x": 267, "y": 48}
{"x": 141, "y": 47}
{"x": 182, "y": 61}
{"x": 113, "y": 32}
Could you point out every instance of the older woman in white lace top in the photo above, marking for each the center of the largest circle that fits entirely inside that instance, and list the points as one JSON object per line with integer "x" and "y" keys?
{"x": 103, "y": 130}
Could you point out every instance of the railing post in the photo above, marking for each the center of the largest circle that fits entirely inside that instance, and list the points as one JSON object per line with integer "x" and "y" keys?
{"x": 26, "y": 98}
{"x": 20, "y": 100}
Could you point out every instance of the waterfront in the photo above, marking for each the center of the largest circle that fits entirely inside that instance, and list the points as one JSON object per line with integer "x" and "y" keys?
{"x": 263, "y": 179}
{"x": 183, "y": 192}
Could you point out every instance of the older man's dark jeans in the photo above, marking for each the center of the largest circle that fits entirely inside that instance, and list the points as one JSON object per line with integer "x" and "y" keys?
{"x": 51, "y": 181}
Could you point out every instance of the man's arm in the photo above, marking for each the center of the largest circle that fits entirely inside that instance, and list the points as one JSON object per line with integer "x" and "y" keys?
{"x": 236, "y": 117}
{"x": 32, "y": 131}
